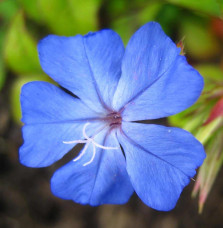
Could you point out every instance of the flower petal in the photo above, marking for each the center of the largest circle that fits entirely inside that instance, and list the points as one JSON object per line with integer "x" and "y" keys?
{"x": 161, "y": 163}
{"x": 175, "y": 91}
{"x": 51, "y": 116}
{"x": 88, "y": 66}
{"x": 156, "y": 81}
{"x": 104, "y": 181}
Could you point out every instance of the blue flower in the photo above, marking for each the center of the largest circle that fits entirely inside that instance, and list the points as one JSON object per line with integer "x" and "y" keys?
{"x": 115, "y": 86}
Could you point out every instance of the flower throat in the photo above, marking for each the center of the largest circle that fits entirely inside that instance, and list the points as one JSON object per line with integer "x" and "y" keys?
{"x": 114, "y": 119}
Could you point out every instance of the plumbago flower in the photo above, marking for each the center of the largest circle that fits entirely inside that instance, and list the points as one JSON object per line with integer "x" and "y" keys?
{"x": 115, "y": 87}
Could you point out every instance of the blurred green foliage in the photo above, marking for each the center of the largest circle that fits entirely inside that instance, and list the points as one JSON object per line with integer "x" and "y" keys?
{"x": 207, "y": 47}
{"x": 7, "y": 11}
{"x": 205, "y": 121}
{"x": 20, "y": 48}
{"x": 127, "y": 16}
{"x": 211, "y": 7}
{"x": 25, "y": 22}
{"x": 63, "y": 17}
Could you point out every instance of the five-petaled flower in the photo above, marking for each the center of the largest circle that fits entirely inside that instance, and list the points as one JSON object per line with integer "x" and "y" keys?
{"x": 116, "y": 87}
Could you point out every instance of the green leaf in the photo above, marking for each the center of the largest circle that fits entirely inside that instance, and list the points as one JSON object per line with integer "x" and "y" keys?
{"x": 126, "y": 25}
{"x": 199, "y": 42}
{"x": 190, "y": 122}
{"x": 149, "y": 12}
{"x": 210, "y": 168}
{"x": 64, "y": 17}
{"x": 2, "y": 73}
{"x": 168, "y": 17}
{"x": 2, "y": 65}
{"x": 210, "y": 72}
{"x": 194, "y": 117}
{"x": 20, "y": 49}
{"x": 211, "y": 7}
{"x": 213, "y": 78}
{"x": 205, "y": 132}
{"x": 8, "y": 8}
{"x": 32, "y": 9}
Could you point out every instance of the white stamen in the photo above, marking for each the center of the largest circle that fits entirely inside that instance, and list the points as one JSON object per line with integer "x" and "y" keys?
{"x": 92, "y": 140}
{"x": 104, "y": 147}
{"x": 75, "y": 141}
{"x": 89, "y": 140}
{"x": 82, "y": 153}
{"x": 93, "y": 156}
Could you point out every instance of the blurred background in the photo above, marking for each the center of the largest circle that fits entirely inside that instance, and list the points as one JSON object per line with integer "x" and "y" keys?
{"x": 195, "y": 26}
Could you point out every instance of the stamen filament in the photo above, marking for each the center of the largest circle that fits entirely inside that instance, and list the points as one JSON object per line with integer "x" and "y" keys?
{"x": 75, "y": 141}
{"x": 104, "y": 147}
{"x": 93, "y": 156}
{"x": 89, "y": 140}
{"x": 82, "y": 153}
